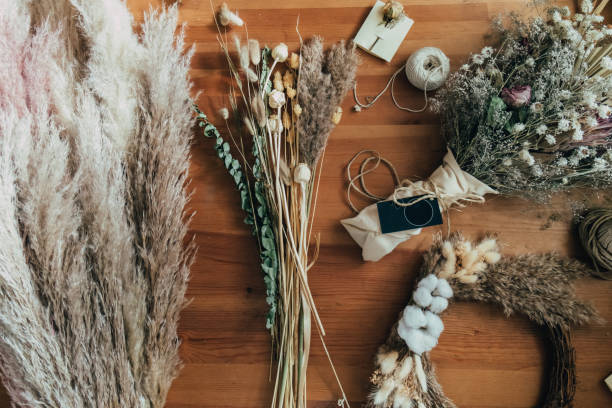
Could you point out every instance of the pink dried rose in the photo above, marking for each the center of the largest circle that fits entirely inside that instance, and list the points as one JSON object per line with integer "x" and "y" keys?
{"x": 517, "y": 96}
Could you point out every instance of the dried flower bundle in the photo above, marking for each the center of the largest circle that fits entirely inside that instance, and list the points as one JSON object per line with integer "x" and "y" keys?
{"x": 538, "y": 286}
{"x": 283, "y": 108}
{"x": 94, "y": 151}
{"x": 532, "y": 116}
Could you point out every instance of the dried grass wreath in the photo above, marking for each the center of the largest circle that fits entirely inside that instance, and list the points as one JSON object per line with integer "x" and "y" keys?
{"x": 538, "y": 286}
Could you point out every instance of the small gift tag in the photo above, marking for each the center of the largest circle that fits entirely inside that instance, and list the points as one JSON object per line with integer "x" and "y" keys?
{"x": 393, "y": 218}
{"x": 379, "y": 39}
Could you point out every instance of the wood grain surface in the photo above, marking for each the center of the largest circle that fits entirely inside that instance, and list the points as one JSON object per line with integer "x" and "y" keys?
{"x": 483, "y": 360}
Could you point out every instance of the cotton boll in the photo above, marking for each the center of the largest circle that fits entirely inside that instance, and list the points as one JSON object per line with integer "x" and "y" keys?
{"x": 443, "y": 289}
{"x": 438, "y": 304}
{"x": 429, "y": 282}
{"x": 414, "y": 317}
{"x": 422, "y": 297}
{"x": 405, "y": 368}
{"x": 387, "y": 362}
{"x": 434, "y": 324}
{"x": 417, "y": 340}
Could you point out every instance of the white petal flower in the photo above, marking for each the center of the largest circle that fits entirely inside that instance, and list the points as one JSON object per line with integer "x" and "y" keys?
{"x": 477, "y": 59}
{"x": 550, "y": 139}
{"x": 530, "y": 62}
{"x": 518, "y": 127}
{"x": 540, "y": 130}
{"x": 564, "y": 125}
{"x": 525, "y": 156}
{"x": 487, "y": 52}
{"x": 578, "y": 134}
{"x": 562, "y": 162}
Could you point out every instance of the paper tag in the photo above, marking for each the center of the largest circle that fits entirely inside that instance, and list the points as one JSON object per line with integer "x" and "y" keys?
{"x": 379, "y": 40}
{"x": 393, "y": 218}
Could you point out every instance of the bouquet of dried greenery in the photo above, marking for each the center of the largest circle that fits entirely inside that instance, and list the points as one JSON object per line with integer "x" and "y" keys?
{"x": 95, "y": 128}
{"x": 283, "y": 107}
{"x": 531, "y": 116}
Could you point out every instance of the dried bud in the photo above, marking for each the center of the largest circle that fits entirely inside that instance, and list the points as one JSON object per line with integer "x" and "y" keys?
{"x": 275, "y": 124}
{"x": 244, "y": 56}
{"x": 276, "y": 99}
{"x": 226, "y": 17}
{"x": 288, "y": 79}
{"x": 286, "y": 120}
{"x": 302, "y": 173}
{"x": 517, "y": 96}
{"x": 392, "y": 10}
{"x": 291, "y": 93}
{"x": 294, "y": 61}
{"x": 224, "y": 113}
{"x": 278, "y": 82}
{"x": 250, "y": 74}
{"x": 249, "y": 126}
{"x": 337, "y": 115}
{"x": 254, "y": 52}
{"x": 280, "y": 52}
{"x": 259, "y": 110}
{"x": 297, "y": 109}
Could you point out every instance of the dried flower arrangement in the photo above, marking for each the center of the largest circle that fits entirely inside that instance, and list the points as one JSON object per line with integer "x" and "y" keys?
{"x": 532, "y": 116}
{"x": 283, "y": 107}
{"x": 538, "y": 286}
{"x": 95, "y": 127}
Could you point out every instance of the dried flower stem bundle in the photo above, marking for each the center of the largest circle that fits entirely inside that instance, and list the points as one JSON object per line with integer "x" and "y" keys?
{"x": 283, "y": 106}
{"x": 538, "y": 286}
{"x": 532, "y": 116}
{"x": 94, "y": 152}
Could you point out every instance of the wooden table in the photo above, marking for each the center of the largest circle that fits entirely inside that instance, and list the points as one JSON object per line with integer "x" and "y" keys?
{"x": 483, "y": 359}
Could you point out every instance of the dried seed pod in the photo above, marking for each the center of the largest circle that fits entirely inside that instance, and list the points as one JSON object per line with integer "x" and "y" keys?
{"x": 288, "y": 79}
{"x": 302, "y": 173}
{"x": 276, "y": 99}
{"x": 286, "y": 119}
{"x": 254, "y": 52}
{"x": 297, "y": 109}
{"x": 278, "y": 82}
{"x": 280, "y": 52}
{"x": 294, "y": 61}
{"x": 291, "y": 93}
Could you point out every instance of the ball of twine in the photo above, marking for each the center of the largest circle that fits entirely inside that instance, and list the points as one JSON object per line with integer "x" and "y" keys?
{"x": 427, "y": 68}
{"x": 595, "y": 232}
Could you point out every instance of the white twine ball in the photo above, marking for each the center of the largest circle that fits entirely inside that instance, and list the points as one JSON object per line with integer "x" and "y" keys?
{"x": 428, "y": 67}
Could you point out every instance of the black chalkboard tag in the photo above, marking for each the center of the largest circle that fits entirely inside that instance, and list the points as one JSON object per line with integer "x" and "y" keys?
{"x": 394, "y": 218}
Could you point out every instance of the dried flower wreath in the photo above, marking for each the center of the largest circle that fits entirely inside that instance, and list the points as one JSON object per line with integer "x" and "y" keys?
{"x": 538, "y": 286}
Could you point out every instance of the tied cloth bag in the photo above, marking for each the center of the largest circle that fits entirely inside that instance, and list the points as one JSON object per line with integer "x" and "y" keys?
{"x": 448, "y": 183}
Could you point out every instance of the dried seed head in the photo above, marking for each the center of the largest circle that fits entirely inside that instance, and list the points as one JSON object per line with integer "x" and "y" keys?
{"x": 249, "y": 126}
{"x": 286, "y": 119}
{"x": 226, "y": 17}
{"x": 297, "y": 109}
{"x": 302, "y": 173}
{"x": 294, "y": 61}
{"x": 259, "y": 110}
{"x": 254, "y": 52}
{"x": 224, "y": 113}
{"x": 275, "y": 124}
{"x": 278, "y": 82}
{"x": 288, "y": 79}
{"x": 250, "y": 74}
{"x": 337, "y": 115}
{"x": 280, "y": 52}
{"x": 276, "y": 99}
{"x": 291, "y": 93}
{"x": 244, "y": 56}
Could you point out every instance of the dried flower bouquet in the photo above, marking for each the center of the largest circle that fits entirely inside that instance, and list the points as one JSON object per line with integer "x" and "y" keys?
{"x": 283, "y": 107}
{"x": 532, "y": 116}
{"x": 95, "y": 127}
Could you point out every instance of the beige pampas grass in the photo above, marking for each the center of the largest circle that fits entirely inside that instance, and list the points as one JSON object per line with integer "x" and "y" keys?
{"x": 94, "y": 153}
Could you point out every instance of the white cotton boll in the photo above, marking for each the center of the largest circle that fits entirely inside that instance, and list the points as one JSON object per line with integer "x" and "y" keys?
{"x": 422, "y": 297}
{"x": 418, "y": 340}
{"x": 492, "y": 257}
{"x": 414, "y": 317}
{"x": 387, "y": 362}
{"x": 420, "y": 373}
{"x": 438, "y": 304}
{"x": 435, "y": 327}
{"x": 429, "y": 282}
{"x": 443, "y": 289}
{"x": 405, "y": 369}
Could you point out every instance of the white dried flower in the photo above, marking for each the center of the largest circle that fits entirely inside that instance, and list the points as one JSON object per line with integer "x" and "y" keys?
{"x": 530, "y": 62}
{"x": 555, "y": 16}
{"x": 540, "y": 130}
{"x": 518, "y": 127}
{"x": 589, "y": 99}
{"x": 591, "y": 121}
{"x": 562, "y": 162}
{"x": 465, "y": 67}
{"x": 574, "y": 161}
{"x": 578, "y": 134}
{"x": 280, "y": 52}
{"x": 275, "y": 124}
{"x": 564, "y": 125}
{"x": 536, "y": 107}
{"x": 599, "y": 163}
{"x": 250, "y": 74}
{"x": 603, "y": 111}
{"x": 586, "y": 7}
{"x": 302, "y": 173}
{"x": 226, "y": 17}
{"x": 357, "y": 108}
{"x": 608, "y": 155}
{"x": 564, "y": 180}
{"x": 477, "y": 59}
{"x": 507, "y": 162}
{"x": 525, "y": 156}
{"x": 565, "y": 11}
{"x": 254, "y": 52}
{"x": 276, "y": 99}
{"x": 537, "y": 171}
{"x": 550, "y": 139}
{"x": 606, "y": 62}
{"x": 565, "y": 94}
{"x": 487, "y": 52}
{"x": 224, "y": 113}
{"x": 538, "y": 95}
